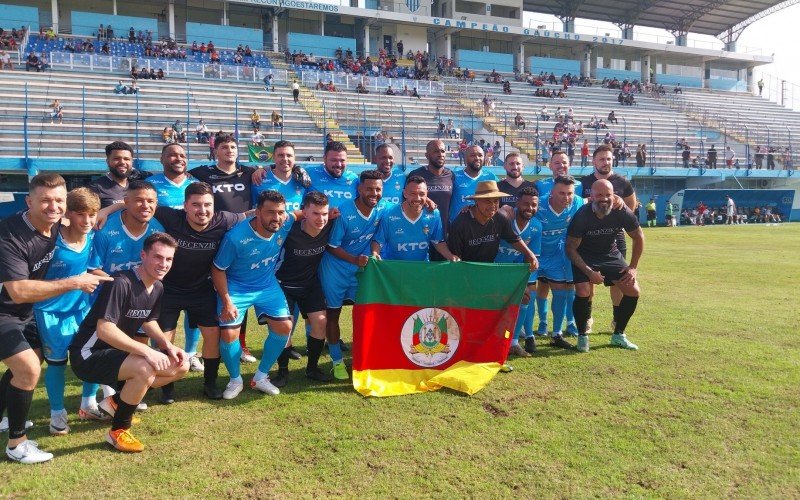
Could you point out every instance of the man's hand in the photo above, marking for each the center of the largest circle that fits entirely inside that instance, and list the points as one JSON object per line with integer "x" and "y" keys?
{"x": 229, "y": 312}
{"x": 454, "y": 258}
{"x": 533, "y": 264}
{"x": 430, "y": 205}
{"x": 361, "y": 260}
{"x": 88, "y": 283}
{"x": 334, "y": 213}
{"x": 618, "y": 202}
{"x": 629, "y": 275}
{"x": 259, "y": 175}
{"x": 376, "y": 255}
{"x": 158, "y": 360}
{"x": 596, "y": 278}
{"x": 176, "y": 354}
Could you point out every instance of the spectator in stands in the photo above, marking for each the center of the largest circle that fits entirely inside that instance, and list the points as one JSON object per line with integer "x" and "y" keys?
{"x": 105, "y": 49}
{"x": 730, "y": 156}
{"x": 268, "y": 83}
{"x": 760, "y": 86}
{"x": 57, "y": 112}
{"x": 255, "y": 120}
{"x": 32, "y": 61}
{"x": 152, "y": 74}
{"x": 771, "y": 159}
{"x": 506, "y": 87}
{"x": 180, "y": 133}
{"x": 160, "y": 74}
{"x": 414, "y": 93}
{"x": 519, "y": 122}
{"x": 120, "y": 88}
{"x": 277, "y": 120}
{"x": 360, "y": 89}
{"x": 5, "y": 60}
{"x": 400, "y": 49}
{"x": 711, "y": 157}
{"x": 585, "y": 153}
{"x": 133, "y": 88}
{"x": 686, "y": 155}
{"x": 214, "y": 58}
{"x": 681, "y": 143}
{"x": 257, "y": 138}
{"x": 101, "y": 33}
{"x": 488, "y": 105}
{"x": 195, "y": 47}
{"x": 143, "y": 74}
{"x": 641, "y": 155}
{"x": 389, "y": 90}
{"x": 132, "y": 35}
{"x": 759, "y": 157}
{"x": 543, "y": 114}
{"x": 109, "y": 32}
{"x": 678, "y": 89}
{"x": 612, "y": 118}
{"x": 296, "y": 91}
{"x": 201, "y": 132}
{"x": 168, "y": 135}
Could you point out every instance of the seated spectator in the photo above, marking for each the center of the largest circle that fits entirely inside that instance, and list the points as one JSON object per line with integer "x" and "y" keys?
{"x": 543, "y": 114}
{"x": 257, "y": 138}
{"x": 201, "y": 132}
{"x": 215, "y": 57}
{"x": 519, "y": 122}
{"x": 268, "y": 82}
{"x": 195, "y": 48}
{"x": 612, "y": 118}
{"x": 678, "y": 89}
{"x": 330, "y": 87}
{"x": 506, "y": 87}
{"x": 277, "y": 120}
{"x": 144, "y": 74}
{"x": 133, "y": 88}
{"x": 168, "y": 135}
{"x": 160, "y": 74}
{"x": 58, "y": 112}
{"x": 360, "y": 89}
{"x": 450, "y": 129}
{"x": 5, "y": 60}
{"x": 405, "y": 91}
{"x": 152, "y": 74}
{"x": 255, "y": 120}
{"x": 389, "y": 90}
{"x": 104, "y": 49}
{"x": 414, "y": 93}
{"x": 120, "y": 88}
{"x": 32, "y": 61}
{"x": 132, "y": 35}
{"x": 180, "y": 133}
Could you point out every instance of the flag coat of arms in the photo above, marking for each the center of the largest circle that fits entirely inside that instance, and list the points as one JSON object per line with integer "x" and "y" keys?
{"x": 260, "y": 154}
{"x": 420, "y": 326}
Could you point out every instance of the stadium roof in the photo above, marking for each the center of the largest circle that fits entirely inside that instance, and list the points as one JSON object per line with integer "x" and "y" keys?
{"x": 707, "y": 17}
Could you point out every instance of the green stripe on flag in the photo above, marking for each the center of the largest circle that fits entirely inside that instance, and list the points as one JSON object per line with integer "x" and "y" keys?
{"x": 442, "y": 283}
{"x": 259, "y": 154}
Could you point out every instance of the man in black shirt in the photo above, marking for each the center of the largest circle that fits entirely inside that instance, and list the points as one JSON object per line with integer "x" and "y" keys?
{"x": 475, "y": 235}
{"x": 592, "y": 248}
{"x": 439, "y": 180}
{"x": 513, "y": 181}
{"x": 105, "y": 352}
{"x": 112, "y": 186}
{"x": 27, "y": 243}
{"x": 198, "y": 229}
{"x": 298, "y": 275}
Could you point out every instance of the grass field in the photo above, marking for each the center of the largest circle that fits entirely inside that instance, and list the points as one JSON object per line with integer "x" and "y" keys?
{"x": 708, "y": 407}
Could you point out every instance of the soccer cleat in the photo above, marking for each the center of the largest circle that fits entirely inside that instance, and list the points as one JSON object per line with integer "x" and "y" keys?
{"x": 572, "y": 330}
{"x": 195, "y": 365}
{"x": 517, "y": 350}
{"x": 542, "y": 330}
{"x": 141, "y": 406}
{"x": 233, "y": 389}
{"x": 281, "y": 378}
{"x": 530, "y": 345}
{"x": 246, "y": 356}
{"x": 583, "y": 343}
{"x": 211, "y": 392}
{"x": 318, "y": 375}
{"x": 620, "y": 340}
{"x": 558, "y": 341}
{"x": 58, "y": 424}
{"x": 506, "y": 368}
{"x": 589, "y": 324}
{"x": 167, "y": 396}
{"x": 92, "y": 413}
{"x": 343, "y": 346}
{"x": 265, "y": 386}
{"x": 293, "y": 353}
{"x": 28, "y": 452}
{"x": 123, "y": 440}
{"x": 4, "y": 424}
{"x": 340, "y": 371}
{"x": 108, "y": 406}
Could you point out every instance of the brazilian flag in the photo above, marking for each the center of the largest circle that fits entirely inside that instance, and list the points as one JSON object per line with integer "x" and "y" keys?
{"x": 260, "y": 154}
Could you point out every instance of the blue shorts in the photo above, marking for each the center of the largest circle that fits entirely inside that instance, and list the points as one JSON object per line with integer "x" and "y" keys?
{"x": 56, "y": 330}
{"x": 534, "y": 275}
{"x": 339, "y": 282}
{"x": 555, "y": 267}
{"x": 269, "y": 303}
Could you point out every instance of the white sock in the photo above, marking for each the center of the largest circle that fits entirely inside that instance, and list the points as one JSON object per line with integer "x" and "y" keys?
{"x": 237, "y": 379}
{"x": 191, "y": 354}
{"x": 53, "y": 413}
{"x": 89, "y": 402}
{"x": 107, "y": 391}
{"x": 260, "y": 375}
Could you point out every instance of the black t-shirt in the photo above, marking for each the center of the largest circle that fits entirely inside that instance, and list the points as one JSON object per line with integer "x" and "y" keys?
{"x": 301, "y": 255}
{"x": 599, "y": 236}
{"x": 622, "y": 186}
{"x": 440, "y": 190}
{"x": 124, "y": 302}
{"x": 474, "y": 242}
{"x": 191, "y": 268}
{"x": 25, "y": 254}
{"x": 505, "y": 187}
{"x": 232, "y": 192}
{"x": 110, "y": 192}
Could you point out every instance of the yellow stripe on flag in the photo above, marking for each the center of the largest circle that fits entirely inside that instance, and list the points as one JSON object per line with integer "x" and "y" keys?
{"x": 462, "y": 376}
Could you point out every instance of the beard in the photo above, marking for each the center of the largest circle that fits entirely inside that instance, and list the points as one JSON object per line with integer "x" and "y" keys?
{"x": 603, "y": 209}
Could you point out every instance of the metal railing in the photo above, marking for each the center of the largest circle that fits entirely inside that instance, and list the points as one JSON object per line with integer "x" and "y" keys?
{"x": 374, "y": 84}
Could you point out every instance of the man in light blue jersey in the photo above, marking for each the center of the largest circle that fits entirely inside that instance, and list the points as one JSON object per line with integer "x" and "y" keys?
{"x": 465, "y": 181}
{"x": 333, "y": 178}
{"x": 119, "y": 243}
{"x": 394, "y": 178}
{"x": 244, "y": 275}
{"x": 407, "y": 230}
{"x": 349, "y": 249}
{"x": 530, "y": 230}
{"x": 58, "y": 318}
{"x": 554, "y": 266}
{"x": 559, "y": 165}
{"x": 284, "y": 177}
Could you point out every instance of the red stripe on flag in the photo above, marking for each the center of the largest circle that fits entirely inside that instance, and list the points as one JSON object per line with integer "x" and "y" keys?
{"x": 377, "y": 336}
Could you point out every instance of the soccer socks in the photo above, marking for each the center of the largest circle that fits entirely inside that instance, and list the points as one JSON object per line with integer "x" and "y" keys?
{"x": 335, "y": 350}
{"x": 314, "y": 351}
{"x": 523, "y": 312}
{"x": 123, "y": 415}
{"x": 54, "y": 382}
{"x": 18, "y": 404}
{"x": 211, "y": 371}
{"x": 192, "y": 337}
{"x": 527, "y": 324}
{"x": 4, "y": 381}
{"x": 559, "y": 307}
{"x": 108, "y": 391}
{"x": 230, "y": 353}
{"x": 624, "y": 311}
{"x": 570, "y": 301}
{"x": 582, "y": 308}
{"x": 283, "y": 359}
{"x": 541, "y": 306}
{"x": 273, "y": 347}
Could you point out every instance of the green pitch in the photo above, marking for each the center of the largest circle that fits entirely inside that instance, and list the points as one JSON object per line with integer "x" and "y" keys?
{"x": 707, "y": 408}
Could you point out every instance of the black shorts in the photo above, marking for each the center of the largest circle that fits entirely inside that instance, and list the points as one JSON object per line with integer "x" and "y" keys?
{"x": 651, "y": 216}
{"x": 622, "y": 245}
{"x": 100, "y": 367}
{"x": 200, "y": 307}
{"x": 542, "y": 279}
{"x": 612, "y": 270}
{"x": 17, "y": 336}
{"x": 309, "y": 299}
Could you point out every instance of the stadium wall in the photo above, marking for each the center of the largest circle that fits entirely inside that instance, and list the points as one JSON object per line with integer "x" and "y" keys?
{"x": 685, "y": 81}
{"x": 14, "y": 16}
{"x": 86, "y": 24}
{"x": 475, "y": 59}
{"x": 554, "y": 65}
{"x": 224, "y": 36}
{"x": 319, "y": 45}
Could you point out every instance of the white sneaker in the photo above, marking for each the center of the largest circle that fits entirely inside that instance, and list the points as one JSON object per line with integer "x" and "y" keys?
{"x": 246, "y": 357}
{"x": 4, "y": 424}
{"x": 195, "y": 364}
{"x": 27, "y": 452}
{"x": 141, "y": 406}
{"x": 233, "y": 389}
{"x": 265, "y": 386}
{"x": 58, "y": 424}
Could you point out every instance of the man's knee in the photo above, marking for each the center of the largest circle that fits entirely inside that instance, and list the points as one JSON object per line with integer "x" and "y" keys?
{"x": 281, "y": 327}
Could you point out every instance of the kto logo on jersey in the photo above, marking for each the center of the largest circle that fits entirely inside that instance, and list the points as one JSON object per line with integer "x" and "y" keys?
{"x": 227, "y": 188}
{"x": 430, "y": 337}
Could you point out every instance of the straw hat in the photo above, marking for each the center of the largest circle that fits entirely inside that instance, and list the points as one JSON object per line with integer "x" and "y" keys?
{"x": 487, "y": 189}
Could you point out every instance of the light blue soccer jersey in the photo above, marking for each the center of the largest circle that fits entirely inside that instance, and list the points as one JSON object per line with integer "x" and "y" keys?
{"x": 404, "y": 239}
{"x": 352, "y": 232}
{"x": 463, "y": 186}
{"x": 68, "y": 261}
{"x": 338, "y": 190}
{"x": 248, "y": 258}
{"x": 544, "y": 186}
{"x": 554, "y": 225}
{"x": 394, "y": 185}
{"x": 531, "y": 235}
{"x": 292, "y": 190}
{"x": 116, "y": 248}
{"x": 170, "y": 194}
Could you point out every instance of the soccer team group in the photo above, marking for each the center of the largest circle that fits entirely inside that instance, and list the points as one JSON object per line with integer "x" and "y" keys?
{"x": 98, "y": 276}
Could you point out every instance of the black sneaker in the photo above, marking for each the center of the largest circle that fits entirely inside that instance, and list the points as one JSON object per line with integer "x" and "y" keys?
{"x": 293, "y": 353}
{"x": 558, "y": 341}
{"x": 530, "y": 345}
{"x": 211, "y": 392}
{"x": 318, "y": 375}
{"x": 343, "y": 346}
{"x": 167, "y": 396}
{"x": 280, "y": 378}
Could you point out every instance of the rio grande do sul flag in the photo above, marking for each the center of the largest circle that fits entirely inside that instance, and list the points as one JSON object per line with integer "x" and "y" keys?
{"x": 420, "y": 326}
